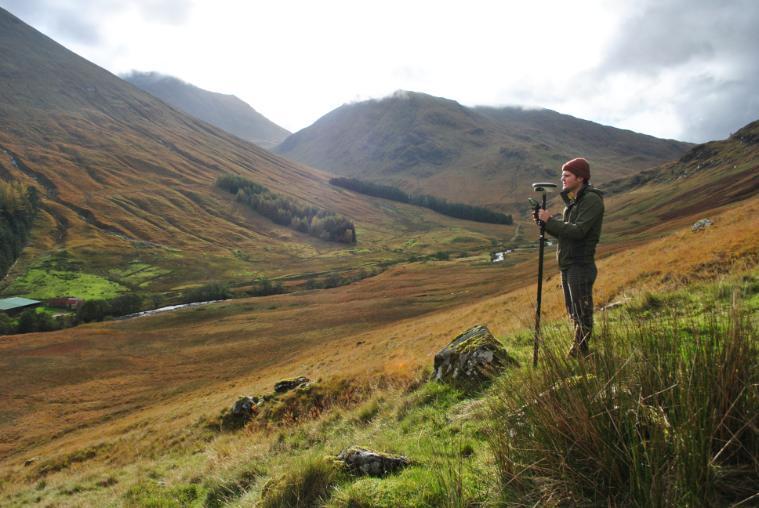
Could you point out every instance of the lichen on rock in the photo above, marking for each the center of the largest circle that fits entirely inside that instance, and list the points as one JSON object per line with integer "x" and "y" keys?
{"x": 474, "y": 356}
{"x": 286, "y": 385}
{"x": 361, "y": 461}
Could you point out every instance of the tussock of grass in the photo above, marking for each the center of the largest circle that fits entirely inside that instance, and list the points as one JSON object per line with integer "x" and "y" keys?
{"x": 663, "y": 414}
{"x": 309, "y": 402}
{"x": 231, "y": 487}
{"x": 367, "y": 411}
{"x": 307, "y": 484}
{"x": 56, "y": 464}
{"x": 150, "y": 494}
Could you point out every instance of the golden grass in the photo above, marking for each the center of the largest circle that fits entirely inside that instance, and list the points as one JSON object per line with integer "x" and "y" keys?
{"x": 131, "y": 384}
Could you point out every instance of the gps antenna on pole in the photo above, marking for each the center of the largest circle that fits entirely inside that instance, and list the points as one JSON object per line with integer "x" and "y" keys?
{"x": 544, "y": 188}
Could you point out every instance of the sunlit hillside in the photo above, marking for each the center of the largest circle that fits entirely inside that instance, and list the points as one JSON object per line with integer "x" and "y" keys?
{"x": 127, "y": 182}
{"x": 387, "y": 324}
{"x": 709, "y": 176}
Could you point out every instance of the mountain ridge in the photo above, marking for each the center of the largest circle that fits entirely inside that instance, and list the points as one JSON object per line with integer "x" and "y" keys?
{"x": 225, "y": 111}
{"x": 437, "y": 146}
{"x": 708, "y": 177}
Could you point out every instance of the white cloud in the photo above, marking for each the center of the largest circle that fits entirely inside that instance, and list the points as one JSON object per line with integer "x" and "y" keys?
{"x": 672, "y": 68}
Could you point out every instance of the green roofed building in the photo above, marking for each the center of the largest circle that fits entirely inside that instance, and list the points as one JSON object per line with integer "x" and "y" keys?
{"x": 16, "y": 304}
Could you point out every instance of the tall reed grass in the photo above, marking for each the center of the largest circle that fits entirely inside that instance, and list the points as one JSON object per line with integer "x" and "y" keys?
{"x": 664, "y": 413}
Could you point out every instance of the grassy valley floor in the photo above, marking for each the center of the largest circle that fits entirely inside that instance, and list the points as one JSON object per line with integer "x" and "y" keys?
{"x": 462, "y": 451}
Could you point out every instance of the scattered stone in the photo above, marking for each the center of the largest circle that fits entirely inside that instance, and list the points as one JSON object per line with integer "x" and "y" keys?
{"x": 361, "y": 461}
{"x": 701, "y": 224}
{"x": 241, "y": 412}
{"x": 305, "y": 387}
{"x": 612, "y": 305}
{"x": 288, "y": 384}
{"x": 474, "y": 356}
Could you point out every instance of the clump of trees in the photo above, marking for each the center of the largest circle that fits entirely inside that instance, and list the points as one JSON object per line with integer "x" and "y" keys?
{"x": 18, "y": 207}
{"x": 208, "y": 292}
{"x": 287, "y": 212}
{"x": 265, "y": 287}
{"x": 31, "y": 320}
{"x": 97, "y": 310}
{"x": 439, "y": 205}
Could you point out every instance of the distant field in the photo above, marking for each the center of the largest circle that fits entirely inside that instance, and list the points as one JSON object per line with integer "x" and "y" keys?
{"x": 42, "y": 284}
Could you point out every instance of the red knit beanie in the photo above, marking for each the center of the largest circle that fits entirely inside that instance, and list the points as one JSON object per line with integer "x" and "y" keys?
{"x": 579, "y": 167}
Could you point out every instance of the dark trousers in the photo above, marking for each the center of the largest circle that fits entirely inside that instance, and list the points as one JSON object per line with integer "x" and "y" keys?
{"x": 577, "y": 282}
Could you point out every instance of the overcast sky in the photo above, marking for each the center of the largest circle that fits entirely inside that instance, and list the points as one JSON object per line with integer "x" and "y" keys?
{"x": 683, "y": 69}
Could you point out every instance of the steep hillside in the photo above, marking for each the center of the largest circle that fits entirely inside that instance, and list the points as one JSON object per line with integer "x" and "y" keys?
{"x": 224, "y": 111}
{"x": 127, "y": 181}
{"x": 476, "y": 155}
{"x": 709, "y": 176}
{"x": 622, "y": 150}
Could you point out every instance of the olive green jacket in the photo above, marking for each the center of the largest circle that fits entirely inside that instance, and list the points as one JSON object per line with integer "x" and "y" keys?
{"x": 580, "y": 229}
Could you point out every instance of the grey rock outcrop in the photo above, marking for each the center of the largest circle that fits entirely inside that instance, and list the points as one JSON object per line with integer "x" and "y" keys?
{"x": 241, "y": 412}
{"x": 475, "y": 356}
{"x": 701, "y": 225}
{"x": 286, "y": 385}
{"x": 361, "y": 461}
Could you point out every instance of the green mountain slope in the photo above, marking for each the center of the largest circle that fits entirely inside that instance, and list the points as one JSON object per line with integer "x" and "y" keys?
{"x": 224, "y": 111}
{"x": 477, "y": 155}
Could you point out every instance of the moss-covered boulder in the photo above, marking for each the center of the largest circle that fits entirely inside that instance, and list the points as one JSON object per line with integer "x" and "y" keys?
{"x": 360, "y": 461}
{"x": 473, "y": 357}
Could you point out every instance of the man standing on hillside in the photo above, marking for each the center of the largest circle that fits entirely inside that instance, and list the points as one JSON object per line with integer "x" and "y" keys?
{"x": 578, "y": 234}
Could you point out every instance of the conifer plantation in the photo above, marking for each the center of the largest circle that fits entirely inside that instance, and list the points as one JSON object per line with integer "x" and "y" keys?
{"x": 440, "y": 205}
{"x": 287, "y": 212}
{"x": 18, "y": 207}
